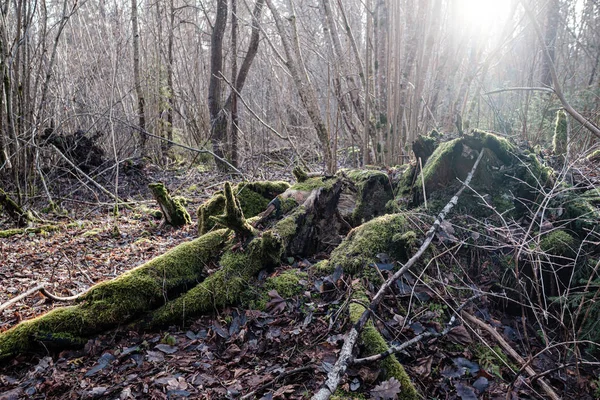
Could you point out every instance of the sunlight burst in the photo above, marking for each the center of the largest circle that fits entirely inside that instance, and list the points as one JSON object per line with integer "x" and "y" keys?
{"x": 483, "y": 13}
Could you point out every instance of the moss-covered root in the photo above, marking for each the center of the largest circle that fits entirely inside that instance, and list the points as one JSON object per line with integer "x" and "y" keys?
{"x": 13, "y": 210}
{"x": 233, "y": 217}
{"x": 225, "y": 286}
{"x": 112, "y": 303}
{"x": 172, "y": 208}
{"x": 300, "y": 174}
{"x": 374, "y": 343}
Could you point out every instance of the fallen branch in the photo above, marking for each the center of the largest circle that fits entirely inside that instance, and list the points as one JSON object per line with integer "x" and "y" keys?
{"x": 345, "y": 357}
{"x": 511, "y": 352}
{"x": 520, "y": 89}
{"x": 42, "y": 289}
{"x": 12, "y": 301}
{"x": 398, "y": 348}
{"x": 279, "y": 377}
{"x": 89, "y": 178}
{"x": 66, "y": 299}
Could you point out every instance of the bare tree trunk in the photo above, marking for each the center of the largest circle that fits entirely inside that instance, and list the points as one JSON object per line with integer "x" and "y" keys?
{"x": 137, "y": 79}
{"x": 367, "y": 74}
{"x": 170, "y": 61}
{"x": 550, "y": 31}
{"x": 234, "y": 97}
{"x": 218, "y": 117}
{"x": 305, "y": 88}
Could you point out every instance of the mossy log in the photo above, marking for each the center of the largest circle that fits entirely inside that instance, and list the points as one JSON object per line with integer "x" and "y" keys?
{"x": 166, "y": 289}
{"x": 173, "y": 208}
{"x": 119, "y": 301}
{"x": 19, "y": 216}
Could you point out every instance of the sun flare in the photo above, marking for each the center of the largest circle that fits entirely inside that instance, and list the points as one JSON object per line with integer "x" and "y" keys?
{"x": 483, "y": 13}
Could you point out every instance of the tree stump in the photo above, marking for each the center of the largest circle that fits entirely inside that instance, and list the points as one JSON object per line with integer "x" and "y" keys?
{"x": 172, "y": 208}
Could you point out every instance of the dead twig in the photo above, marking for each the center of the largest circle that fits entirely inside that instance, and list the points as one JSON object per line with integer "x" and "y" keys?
{"x": 512, "y": 353}
{"x": 276, "y": 379}
{"x": 397, "y": 349}
{"x": 345, "y": 357}
{"x": 21, "y": 296}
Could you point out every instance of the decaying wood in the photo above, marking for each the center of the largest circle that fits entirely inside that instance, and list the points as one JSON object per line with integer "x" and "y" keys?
{"x": 14, "y": 211}
{"x": 345, "y": 356}
{"x": 511, "y": 352}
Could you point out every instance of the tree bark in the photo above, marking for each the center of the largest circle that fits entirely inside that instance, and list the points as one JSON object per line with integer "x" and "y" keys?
{"x": 137, "y": 78}
{"x": 304, "y": 87}
{"x": 218, "y": 117}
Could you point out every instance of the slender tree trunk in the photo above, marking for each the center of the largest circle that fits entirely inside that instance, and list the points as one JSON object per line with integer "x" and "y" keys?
{"x": 234, "y": 97}
{"x": 218, "y": 117}
{"x": 550, "y": 32}
{"x": 137, "y": 79}
{"x": 304, "y": 87}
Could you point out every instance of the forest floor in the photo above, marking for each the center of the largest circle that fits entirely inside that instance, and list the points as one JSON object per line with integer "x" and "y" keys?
{"x": 283, "y": 352}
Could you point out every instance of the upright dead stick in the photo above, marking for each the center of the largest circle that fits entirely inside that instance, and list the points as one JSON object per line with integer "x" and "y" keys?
{"x": 511, "y": 352}
{"x": 338, "y": 370}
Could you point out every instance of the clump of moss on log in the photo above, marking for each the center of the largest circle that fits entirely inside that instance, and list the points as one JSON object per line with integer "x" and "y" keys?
{"x": 113, "y": 303}
{"x": 389, "y": 234}
{"x": 14, "y": 211}
{"x": 253, "y": 198}
{"x": 225, "y": 286}
{"x": 173, "y": 208}
{"x": 374, "y": 343}
{"x": 559, "y": 140}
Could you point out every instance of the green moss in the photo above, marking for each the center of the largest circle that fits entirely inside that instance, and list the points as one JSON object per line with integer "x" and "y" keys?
{"x": 314, "y": 183}
{"x": 210, "y": 208}
{"x": 343, "y": 395}
{"x": 537, "y": 173}
{"x": 113, "y": 303}
{"x": 440, "y": 162}
{"x": 580, "y": 211}
{"x": 287, "y": 283}
{"x": 594, "y": 156}
{"x": 300, "y": 174}
{"x": 92, "y": 232}
{"x": 286, "y": 228}
{"x": 362, "y": 244}
{"x": 560, "y": 243}
{"x": 173, "y": 208}
{"x": 225, "y": 286}
{"x": 233, "y": 216}
{"x": 559, "y": 141}
{"x": 253, "y": 198}
{"x": 374, "y": 343}
{"x": 322, "y": 268}
{"x": 500, "y": 146}
{"x": 43, "y": 230}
